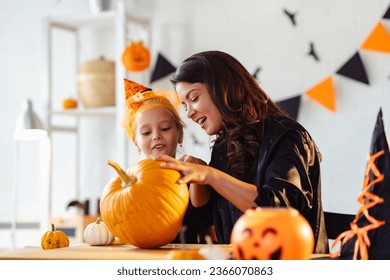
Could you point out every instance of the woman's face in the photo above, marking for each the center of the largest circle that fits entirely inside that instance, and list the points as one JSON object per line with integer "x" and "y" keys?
{"x": 156, "y": 132}
{"x": 199, "y": 106}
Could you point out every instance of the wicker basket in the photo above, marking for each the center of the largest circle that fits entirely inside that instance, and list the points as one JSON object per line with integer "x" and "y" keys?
{"x": 96, "y": 83}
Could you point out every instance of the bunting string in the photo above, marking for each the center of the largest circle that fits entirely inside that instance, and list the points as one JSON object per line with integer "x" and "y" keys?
{"x": 324, "y": 91}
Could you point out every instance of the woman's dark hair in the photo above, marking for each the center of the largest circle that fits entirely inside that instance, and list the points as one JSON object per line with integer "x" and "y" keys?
{"x": 242, "y": 103}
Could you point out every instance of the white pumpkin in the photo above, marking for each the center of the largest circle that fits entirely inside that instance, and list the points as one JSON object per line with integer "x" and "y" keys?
{"x": 97, "y": 233}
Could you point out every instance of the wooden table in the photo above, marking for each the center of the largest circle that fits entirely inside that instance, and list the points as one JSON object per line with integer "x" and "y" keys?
{"x": 87, "y": 252}
{"x": 111, "y": 252}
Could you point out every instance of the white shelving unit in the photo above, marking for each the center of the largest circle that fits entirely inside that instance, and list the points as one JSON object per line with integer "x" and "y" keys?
{"x": 118, "y": 21}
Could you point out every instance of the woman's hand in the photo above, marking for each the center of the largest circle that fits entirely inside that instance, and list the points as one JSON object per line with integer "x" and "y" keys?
{"x": 240, "y": 193}
{"x": 193, "y": 170}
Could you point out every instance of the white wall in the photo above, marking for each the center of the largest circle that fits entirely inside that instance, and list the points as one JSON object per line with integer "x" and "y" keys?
{"x": 254, "y": 31}
{"x": 258, "y": 33}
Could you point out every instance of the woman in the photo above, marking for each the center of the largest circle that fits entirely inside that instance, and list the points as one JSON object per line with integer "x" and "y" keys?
{"x": 260, "y": 158}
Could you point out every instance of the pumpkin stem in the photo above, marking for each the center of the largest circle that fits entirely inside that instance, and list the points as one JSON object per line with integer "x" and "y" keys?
{"x": 52, "y": 227}
{"x": 98, "y": 221}
{"x": 125, "y": 178}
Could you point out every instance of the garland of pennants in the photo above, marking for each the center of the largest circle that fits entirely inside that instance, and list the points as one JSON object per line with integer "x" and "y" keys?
{"x": 324, "y": 91}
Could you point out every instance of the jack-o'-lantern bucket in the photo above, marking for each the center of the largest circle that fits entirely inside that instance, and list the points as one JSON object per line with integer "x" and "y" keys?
{"x": 272, "y": 234}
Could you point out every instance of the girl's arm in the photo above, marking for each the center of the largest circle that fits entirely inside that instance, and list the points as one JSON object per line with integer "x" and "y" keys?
{"x": 199, "y": 194}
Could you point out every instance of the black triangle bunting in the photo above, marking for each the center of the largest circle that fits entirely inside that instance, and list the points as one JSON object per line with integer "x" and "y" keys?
{"x": 387, "y": 14}
{"x": 354, "y": 69}
{"x": 162, "y": 68}
{"x": 291, "y": 106}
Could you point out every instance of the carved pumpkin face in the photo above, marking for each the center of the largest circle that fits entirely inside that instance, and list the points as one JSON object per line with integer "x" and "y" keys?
{"x": 136, "y": 57}
{"x": 272, "y": 234}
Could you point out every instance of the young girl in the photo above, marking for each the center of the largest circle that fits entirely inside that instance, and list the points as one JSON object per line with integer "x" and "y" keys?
{"x": 154, "y": 125}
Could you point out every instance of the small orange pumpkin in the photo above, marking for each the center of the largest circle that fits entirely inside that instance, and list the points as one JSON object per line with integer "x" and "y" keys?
{"x": 54, "y": 239}
{"x": 136, "y": 57}
{"x": 184, "y": 254}
{"x": 144, "y": 207}
{"x": 69, "y": 103}
{"x": 272, "y": 233}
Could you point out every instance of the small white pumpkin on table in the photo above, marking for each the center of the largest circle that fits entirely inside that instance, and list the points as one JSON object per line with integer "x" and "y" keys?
{"x": 97, "y": 233}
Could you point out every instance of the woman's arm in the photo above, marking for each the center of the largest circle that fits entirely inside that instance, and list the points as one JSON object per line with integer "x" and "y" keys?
{"x": 239, "y": 193}
{"x": 291, "y": 175}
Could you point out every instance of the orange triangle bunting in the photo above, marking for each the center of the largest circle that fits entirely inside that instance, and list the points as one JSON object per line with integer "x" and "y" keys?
{"x": 324, "y": 94}
{"x": 379, "y": 40}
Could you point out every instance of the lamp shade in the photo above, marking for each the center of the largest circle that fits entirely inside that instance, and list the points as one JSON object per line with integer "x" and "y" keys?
{"x": 28, "y": 126}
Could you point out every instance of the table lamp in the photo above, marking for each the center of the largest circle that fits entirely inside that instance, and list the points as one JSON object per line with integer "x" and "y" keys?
{"x": 28, "y": 128}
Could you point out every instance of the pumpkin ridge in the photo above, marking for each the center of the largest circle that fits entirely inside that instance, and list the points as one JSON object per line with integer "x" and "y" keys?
{"x": 154, "y": 212}
{"x": 150, "y": 213}
{"x": 115, "y": 200}
{"x": 169, "y": 200}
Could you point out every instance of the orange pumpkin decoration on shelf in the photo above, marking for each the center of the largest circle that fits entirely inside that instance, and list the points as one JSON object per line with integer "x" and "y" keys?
{"x": 69, "y": 103}
{"x": 144, "y": 207}
{"x": 272, "y": 234}
{"x": 136, "y": 57}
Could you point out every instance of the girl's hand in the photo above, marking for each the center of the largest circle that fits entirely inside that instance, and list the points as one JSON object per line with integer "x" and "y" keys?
{"x": 198, "y": 172}
{"x": 192, "y": 159}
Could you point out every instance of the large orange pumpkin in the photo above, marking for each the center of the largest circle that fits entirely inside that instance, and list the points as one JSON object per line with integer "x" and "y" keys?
{"x": 136, "y": 57}
{"x": 272, "y": 233}
{"x": 144, "y": 207}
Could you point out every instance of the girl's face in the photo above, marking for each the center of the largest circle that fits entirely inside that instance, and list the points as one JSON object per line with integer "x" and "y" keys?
{"x": 156, "y": 132}
{"x": 199, "y": 106}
